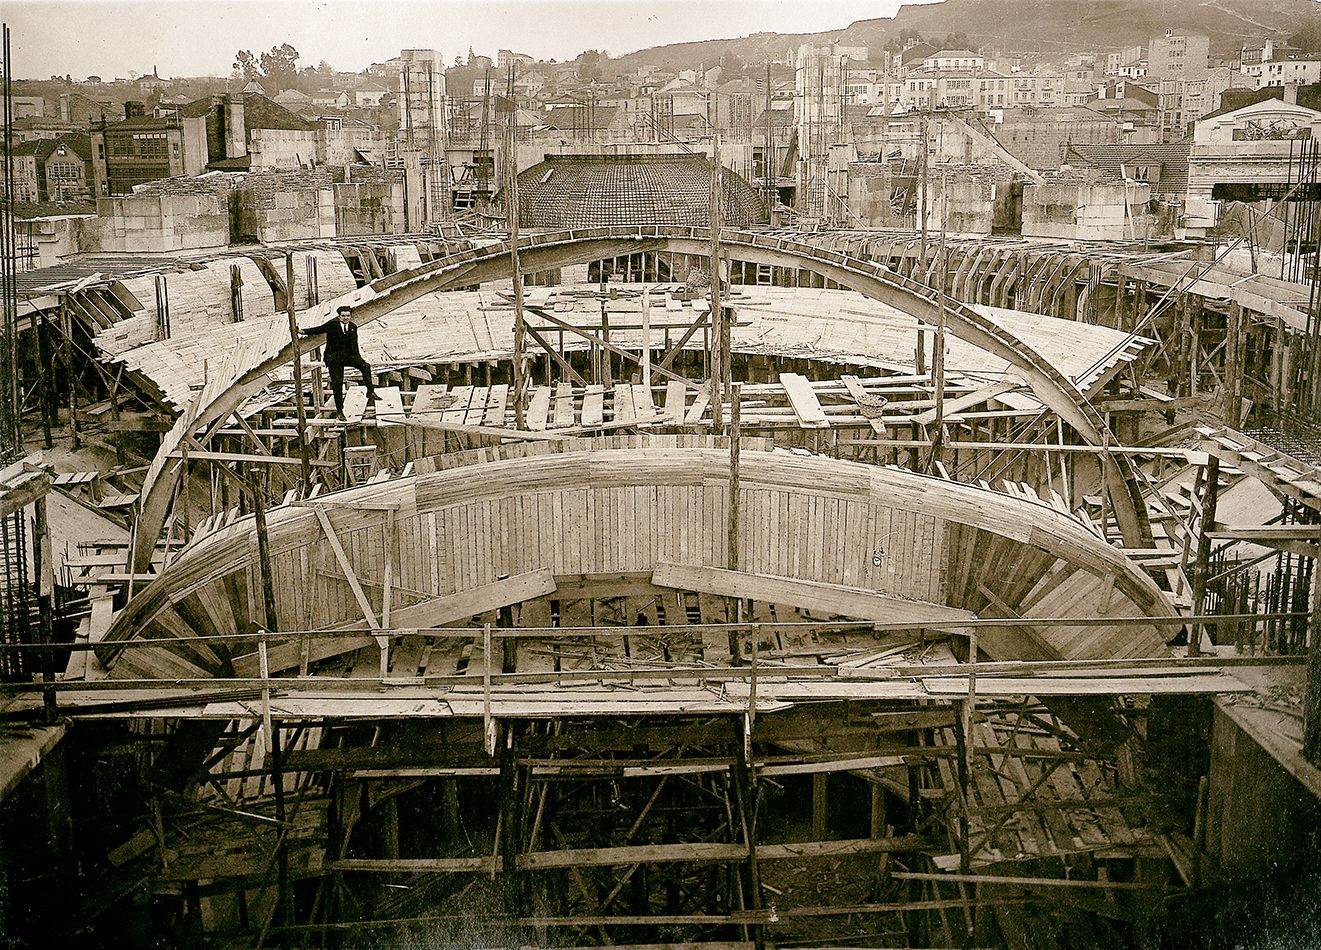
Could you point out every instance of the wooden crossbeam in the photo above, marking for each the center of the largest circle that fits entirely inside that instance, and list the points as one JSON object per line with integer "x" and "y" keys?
{"x": 438, "y": 611}
{"x": 806, "y": 595}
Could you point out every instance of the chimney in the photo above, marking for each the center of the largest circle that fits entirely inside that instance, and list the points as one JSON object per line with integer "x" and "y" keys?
{"x": 133, "y": 110}
{"x": 236, "y": 129}
{"x": 1291, "y": 94}
{"x": 65, "y": 103}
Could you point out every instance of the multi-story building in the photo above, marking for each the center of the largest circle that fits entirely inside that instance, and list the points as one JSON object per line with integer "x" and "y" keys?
{"x": 1178, "y": 55}
{"x": 505, "y": 58}
{"x": 1246, "y": 153}
{"x": 1286, "y": 72}
{"x": 66, "y": 169}
{"x": 1125, "y": 61}
{"x": 948, "y": 60}
{"x": 142, "y": 149}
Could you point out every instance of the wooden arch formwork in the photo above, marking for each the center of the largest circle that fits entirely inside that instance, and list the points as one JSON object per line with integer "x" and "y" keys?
{"x": 837, "y": 538}
{"x": 248, "y": 366}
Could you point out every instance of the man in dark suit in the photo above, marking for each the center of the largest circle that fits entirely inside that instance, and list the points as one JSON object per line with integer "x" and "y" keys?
{"x": 341, "y": 351}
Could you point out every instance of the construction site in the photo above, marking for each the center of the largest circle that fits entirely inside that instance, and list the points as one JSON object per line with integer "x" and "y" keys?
{"x": 699, "y": 565}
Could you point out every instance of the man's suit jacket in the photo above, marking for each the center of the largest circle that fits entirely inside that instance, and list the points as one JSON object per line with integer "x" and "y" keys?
{"x": 341, "y": 345}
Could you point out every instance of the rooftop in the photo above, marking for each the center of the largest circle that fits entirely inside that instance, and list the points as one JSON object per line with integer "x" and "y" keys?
{"x": 600, "y": 190}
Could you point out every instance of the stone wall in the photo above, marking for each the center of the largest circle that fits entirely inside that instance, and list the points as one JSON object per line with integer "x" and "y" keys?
{"x": 370, "y": 207}
{"x": 1088, "y": 211}
{"x": 285, "y": 206}
{"x": 869, "y": 190}
{"x": 157, "y": 222}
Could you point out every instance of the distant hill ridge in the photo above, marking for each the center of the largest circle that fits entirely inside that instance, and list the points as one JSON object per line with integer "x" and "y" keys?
{"x": 1045, "y": 26}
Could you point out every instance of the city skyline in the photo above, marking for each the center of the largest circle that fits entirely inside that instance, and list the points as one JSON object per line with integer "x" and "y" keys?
{"x": 196, "y": 39}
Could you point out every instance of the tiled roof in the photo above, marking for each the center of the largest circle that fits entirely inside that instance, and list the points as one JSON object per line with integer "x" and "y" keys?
{"x": 627, "y": 190}
{"x": 1172, "y": 159}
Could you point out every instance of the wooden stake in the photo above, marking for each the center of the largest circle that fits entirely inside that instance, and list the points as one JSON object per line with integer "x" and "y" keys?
{"x": 646, "y": 337}
{"x": 717, "y": 316}
{"x": 1202, "y": 566}
{"x": 511, "y": 219}
{"x": 303, "y": 448}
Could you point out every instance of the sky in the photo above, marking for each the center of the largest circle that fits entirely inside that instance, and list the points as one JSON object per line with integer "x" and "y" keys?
{"x": 108, "y": 38}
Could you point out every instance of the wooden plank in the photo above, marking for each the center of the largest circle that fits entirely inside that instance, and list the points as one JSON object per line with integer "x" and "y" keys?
{"x": 643, "y": 404}
{"x": 495, "y": 406}
{"x": 806, "y": 595}
{"x": 538, "y": 408}
{"x": 625, "y": 413}
{"x": 563, "y": 406}
{"x": 860, "y": 395}
{"x": 968, "y": 400}
{"x": 457, "y": 411}
{"x": 675, "y": 394}
{"x": 355, "y": 403}
{"x": 698, "y": 409}
{"x": 389, "y": 406}
{"x": 428, "y": 398}
{"x": 804, "y": 402}
{"x": 594, "y": 405}
{"x": 436, "y": 612}
{"x": 477, "y": 406}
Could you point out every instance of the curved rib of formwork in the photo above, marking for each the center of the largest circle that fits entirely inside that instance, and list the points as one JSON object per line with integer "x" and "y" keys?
{"x": 839, "y": 538}
{"x": 248, "y": 365}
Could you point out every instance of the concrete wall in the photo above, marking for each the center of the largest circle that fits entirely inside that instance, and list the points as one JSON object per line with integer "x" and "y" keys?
{"x": 297, "y": 215}
{"x": 55, "y": 238}
{"x": 1258, "y": 816}
{"x": 335, "y": 147}
{"x": 195, "y": 156}
{"x": 1087, "y": 211}
{"x": 156, "y": 223}
{"x": 869, "y": 190}
{"x": 369, "y": 207}
{"x": 963, "y": 205}
{"x": 282, "y": 149}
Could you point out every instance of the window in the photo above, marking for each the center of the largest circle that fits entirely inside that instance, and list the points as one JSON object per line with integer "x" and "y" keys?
{"x": 150, "y": 144}
{"x": 63, "y": 171}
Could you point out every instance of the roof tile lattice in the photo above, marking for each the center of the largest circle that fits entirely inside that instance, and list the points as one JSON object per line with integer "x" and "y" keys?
{"x": 570, "y": 191}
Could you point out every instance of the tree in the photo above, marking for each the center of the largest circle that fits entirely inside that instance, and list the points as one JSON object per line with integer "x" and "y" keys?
{"x": 275, "y": 70}
{"x": 279, "y": 68}
{"x": 590, "y": 63}
{"x": 246, "y": 64}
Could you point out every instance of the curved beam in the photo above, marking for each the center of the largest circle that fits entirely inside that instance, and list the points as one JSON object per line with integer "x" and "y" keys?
{"x": 556, "y": 249}
{"x": 944, "y": 547}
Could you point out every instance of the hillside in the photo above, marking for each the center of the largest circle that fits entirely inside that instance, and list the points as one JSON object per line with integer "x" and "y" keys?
{"x": 1046, "y": 26}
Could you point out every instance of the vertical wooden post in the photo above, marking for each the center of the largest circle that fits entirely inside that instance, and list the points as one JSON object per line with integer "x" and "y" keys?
{"x": 820, "y": 805}
{"x": 511, "y": 218}
{"x": 263, "y": 550}
{"x": 646, "y": 336}
{"x": 938, "y": 346}
{"x": 43, "y": 572}
{"x": 66, "y": 328}
{"x": 44, "y": 373}
{"x": 1202, "y": 567}
{"x": 1312, "y": 693}
{"x": 735, "y": 424}
{"x": 303, "y": 450}
{"x": 717, "y": 310}
{"x": 877, "y": 825}
{"x": 1233, "y": 372}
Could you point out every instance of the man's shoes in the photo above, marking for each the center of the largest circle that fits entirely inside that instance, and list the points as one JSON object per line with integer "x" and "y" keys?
{"x": 371, "y": 396}
{"x": 339, "y": 415}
